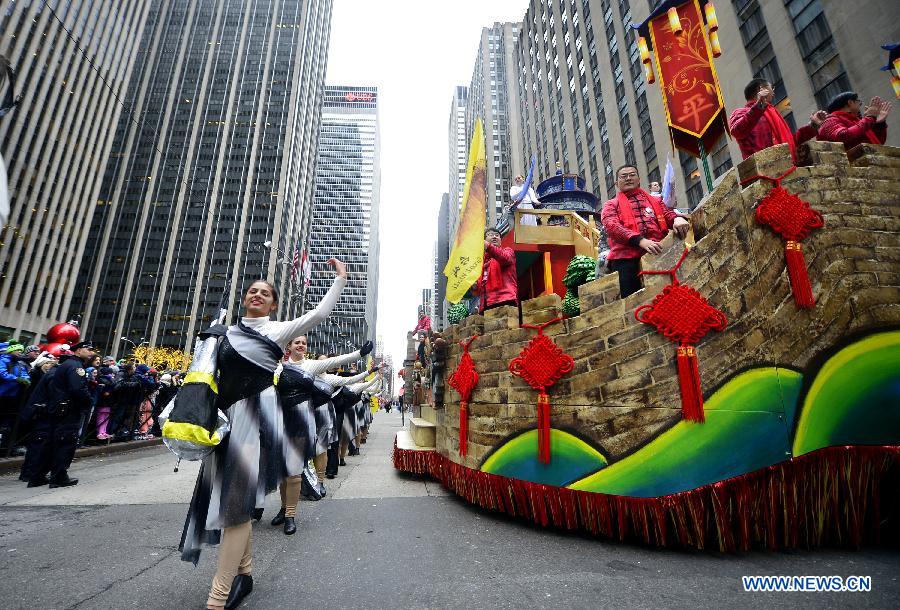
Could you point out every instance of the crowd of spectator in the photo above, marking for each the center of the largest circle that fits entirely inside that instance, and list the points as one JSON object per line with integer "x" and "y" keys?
{"x": 127, "y": 397}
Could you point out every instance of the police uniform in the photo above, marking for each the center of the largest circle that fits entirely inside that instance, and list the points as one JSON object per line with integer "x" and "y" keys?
{"x": 56, "y": 407}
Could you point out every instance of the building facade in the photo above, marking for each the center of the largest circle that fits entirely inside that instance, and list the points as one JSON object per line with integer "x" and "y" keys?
{"x": 73, "y": 62}
{"x": 345, "y": 216}
{"x": 493, "y": 96}
{"x": 214, "y": 158}
{"x": 458, "y": 147}
{"x": 441, "y": 256}
{"x": 585, "y": 102}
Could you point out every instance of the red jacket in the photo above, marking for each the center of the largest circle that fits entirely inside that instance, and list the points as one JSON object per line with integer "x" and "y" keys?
{"x": 498, "y": 281}
{"x": 753, "y": 132}
{"x": 844, "y": 127}
{"x": 423, "y": 324}
{"x": 620, "y": 237}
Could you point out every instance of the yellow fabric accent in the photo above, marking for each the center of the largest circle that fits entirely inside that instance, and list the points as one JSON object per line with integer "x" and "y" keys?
{"x": 548, "y": 274}
{"x": 191, "y": 433}
{"x": 201, "y": 377}
{"x": 464, "y": 267}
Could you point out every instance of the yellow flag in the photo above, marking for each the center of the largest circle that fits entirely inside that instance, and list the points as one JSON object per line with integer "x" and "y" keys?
{"x": 467, "y": 256}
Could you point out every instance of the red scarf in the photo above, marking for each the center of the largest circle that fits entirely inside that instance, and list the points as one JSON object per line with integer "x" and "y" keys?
{"x": 781, "y": 132}
{"x": 853, "y": 119}
{"x": 626, "y": 214}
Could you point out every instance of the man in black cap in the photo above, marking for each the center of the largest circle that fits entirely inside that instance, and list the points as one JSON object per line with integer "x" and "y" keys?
{"x": 56, "y": 406}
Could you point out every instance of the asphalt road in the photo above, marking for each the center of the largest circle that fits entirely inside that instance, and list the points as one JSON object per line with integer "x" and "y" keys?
{"x": 379, "y": 540}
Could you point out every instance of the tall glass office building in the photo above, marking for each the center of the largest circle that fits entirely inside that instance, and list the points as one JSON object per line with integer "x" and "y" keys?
{"x": 345, "y": 216}
{"x": 214, "y": 158}
{"x": 492, "y": 95}
{"x": 458, "y": 148}
{"x": 73, "y": 61}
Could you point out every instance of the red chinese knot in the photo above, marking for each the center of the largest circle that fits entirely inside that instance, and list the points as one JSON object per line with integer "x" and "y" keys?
{"x": 793, "y": 219}
{"x": 541, "y": 363}
{"x": 463, "y": 380}
{"x": 683, "y": 315}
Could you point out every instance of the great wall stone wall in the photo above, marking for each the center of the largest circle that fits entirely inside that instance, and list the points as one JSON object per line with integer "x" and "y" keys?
{"x": 623, "y": 390}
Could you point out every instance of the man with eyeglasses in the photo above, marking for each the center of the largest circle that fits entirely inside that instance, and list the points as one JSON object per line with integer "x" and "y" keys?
{"x": 635, "y": 223}
{"x": 847, "y": 122}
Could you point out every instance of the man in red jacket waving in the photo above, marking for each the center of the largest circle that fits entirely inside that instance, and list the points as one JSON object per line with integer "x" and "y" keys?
{"x": 498, "y": 284}
{"x": 635, "y": 223}
{"x": 758, "y": 124}
{"x": 848, "y": 123}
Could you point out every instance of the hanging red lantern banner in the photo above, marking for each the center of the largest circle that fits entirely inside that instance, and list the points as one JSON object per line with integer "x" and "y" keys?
{"x": 793, "y": 219}
{"x": 695, "y": 109}
{"x": 541, "y": 363}
{"x": 463, "y": 380}
{"x": 683, "y": 315}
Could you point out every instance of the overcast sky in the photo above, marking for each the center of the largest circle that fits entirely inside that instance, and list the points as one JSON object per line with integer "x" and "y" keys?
{"x": 415, "y": 53}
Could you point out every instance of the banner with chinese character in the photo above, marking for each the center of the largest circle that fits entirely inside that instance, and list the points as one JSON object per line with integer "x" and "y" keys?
{"x": 467, "y": 256}
{"x": 690, "y": 88}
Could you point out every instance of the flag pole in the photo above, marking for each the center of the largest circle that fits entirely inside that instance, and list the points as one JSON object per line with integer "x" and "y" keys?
{"x": 703, "y": 157}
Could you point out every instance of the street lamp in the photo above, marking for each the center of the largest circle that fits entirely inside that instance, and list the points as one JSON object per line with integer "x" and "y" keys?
{"x": 133, "y": 344}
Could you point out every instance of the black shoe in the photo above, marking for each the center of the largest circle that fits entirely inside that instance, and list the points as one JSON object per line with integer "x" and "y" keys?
{"x": 342, "y": 462}
{"x": 329, "y": 475}
{"x": 279, "y": 518}
{"x": 289, "y": 526}
{"x": 322, "y": 489}
{"x": 63, "y": 481}
{"x": 257, "y": 514}
{"x": 38, "y": 481}
{"x": 23, "y": 478}
{"x": 308, "y": 491}
{"x": 241, "y": 587}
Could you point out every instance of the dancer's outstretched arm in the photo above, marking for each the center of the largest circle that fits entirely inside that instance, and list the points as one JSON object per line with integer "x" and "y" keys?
{"x": 338, "y": 381}
{"x": 283, "y": 332}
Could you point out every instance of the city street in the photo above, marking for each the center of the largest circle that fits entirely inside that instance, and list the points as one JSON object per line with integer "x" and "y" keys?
{"x": 379, "y": 540}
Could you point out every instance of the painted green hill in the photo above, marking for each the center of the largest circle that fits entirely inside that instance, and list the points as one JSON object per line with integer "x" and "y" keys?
{"x": 747, "y": 426}
{"x": 570, "y": 459}
{"x": 855, "y": 397}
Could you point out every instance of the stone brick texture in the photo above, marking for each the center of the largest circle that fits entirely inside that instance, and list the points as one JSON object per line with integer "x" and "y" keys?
{"x": 623, "y": 390}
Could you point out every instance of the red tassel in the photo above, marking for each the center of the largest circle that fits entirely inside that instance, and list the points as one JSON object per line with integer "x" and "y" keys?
{"x": 689, "y": 380}
{"x": 796, "y": 266}
{"x": 543, "y": 415}
{"x": 463, "y": 427}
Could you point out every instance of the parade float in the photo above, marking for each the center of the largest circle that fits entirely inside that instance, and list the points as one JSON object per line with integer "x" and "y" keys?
{"x": 748, "y": 395}
{"x": 716, "y": 408}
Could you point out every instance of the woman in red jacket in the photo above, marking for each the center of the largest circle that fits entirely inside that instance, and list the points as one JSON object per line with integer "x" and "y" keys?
{"x": 848, "y": 124}
{"x": 498, "y": 285}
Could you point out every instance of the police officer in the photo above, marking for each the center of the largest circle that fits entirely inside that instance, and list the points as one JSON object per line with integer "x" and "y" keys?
{"x": 56, "y": 406}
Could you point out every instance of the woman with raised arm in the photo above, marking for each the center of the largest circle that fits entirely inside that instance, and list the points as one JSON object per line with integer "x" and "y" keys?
{"x": 308, "y": 422}
{"x": 251, "y": 460}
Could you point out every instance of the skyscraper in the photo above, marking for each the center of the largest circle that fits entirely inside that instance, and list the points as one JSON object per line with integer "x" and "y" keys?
{"x": 493, "y": 95}
{"x": 584, "y": 100}
{"x": 214, "y": 158}
{"x": 441, "y": 255}
{"x": 73, "y": 61}
{"x": 458, "y": 148}
{"x": 345, "y": 218}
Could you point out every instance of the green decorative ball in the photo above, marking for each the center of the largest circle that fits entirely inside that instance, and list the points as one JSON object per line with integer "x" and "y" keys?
{"x": 580, "y": 270}
{"x": 570, "y": 304}
{"x": 457, "y": 313}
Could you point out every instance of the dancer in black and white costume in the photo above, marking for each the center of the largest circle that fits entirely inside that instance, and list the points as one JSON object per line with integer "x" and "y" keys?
{"x": 355, "y": 416}
{"x": 253, "y": 458}
{"x": 308, "y": 422}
